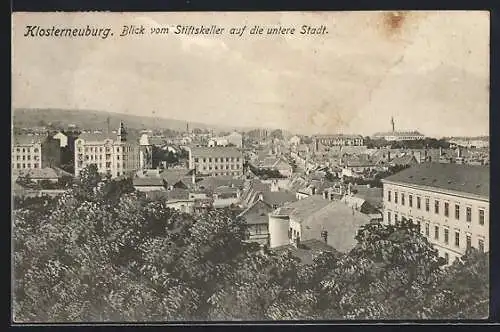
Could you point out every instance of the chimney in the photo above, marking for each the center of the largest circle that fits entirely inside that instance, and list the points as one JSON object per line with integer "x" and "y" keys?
{"x": 193, "y": 176}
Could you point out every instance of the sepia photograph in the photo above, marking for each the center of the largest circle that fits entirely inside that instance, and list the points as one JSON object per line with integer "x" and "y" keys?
{"x": 250, "y": 166}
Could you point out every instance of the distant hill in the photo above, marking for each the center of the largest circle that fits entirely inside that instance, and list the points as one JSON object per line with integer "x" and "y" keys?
{"x": 88, "y": 119}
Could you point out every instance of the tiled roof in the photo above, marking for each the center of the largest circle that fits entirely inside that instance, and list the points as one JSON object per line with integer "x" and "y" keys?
{"x": 461, "y": 178}
{"x": 213, "y": 182}
{"x": 278, "y": 197}
{"x": 216, "y": 152}
{"x": 178, "y": 194}
{"x": 257, "y": 213}
{"x": 148, "y": 181}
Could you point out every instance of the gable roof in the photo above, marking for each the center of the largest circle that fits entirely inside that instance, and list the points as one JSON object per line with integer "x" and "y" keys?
{"x": 256, "y": 213}
{"x": 148, "y": 182}
{"x": 469, "y": 179}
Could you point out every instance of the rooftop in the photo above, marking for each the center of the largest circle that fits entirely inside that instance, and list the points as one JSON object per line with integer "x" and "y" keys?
{"x": 307, "y": 250}
{"x": 399, "y": 133}
{"x": 217, "y": 151}
{"x": 469, "y": 179}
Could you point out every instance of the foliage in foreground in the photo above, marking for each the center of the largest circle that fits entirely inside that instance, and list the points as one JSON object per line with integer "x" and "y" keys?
{"x": 102, "y": 252}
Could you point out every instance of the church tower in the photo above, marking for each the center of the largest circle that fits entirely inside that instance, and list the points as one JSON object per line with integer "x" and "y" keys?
{"x": 122, "y": 133}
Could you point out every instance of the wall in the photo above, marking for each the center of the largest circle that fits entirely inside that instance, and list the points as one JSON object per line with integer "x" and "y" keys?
{"x": 278, "y": 231}
{"x": 473, "y": 227}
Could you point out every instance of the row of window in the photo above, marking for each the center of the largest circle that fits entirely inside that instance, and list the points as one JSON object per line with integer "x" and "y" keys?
{"x": 226, "y": 173}
{"x": 221, "y": 159}
{"x": 100, "y": 165}
{"x": 221, "y": 167}
{"x": 28, "y": 157}
{"x": 26, "y": 150}
{"x": 106, "y": 149}
{"x": 437, "y": 205}
{"x": 445, "y": 238}
{"x": 24, "y": 165}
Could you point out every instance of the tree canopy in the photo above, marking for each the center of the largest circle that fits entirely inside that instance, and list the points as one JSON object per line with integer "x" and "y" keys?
{"x": 102, "y": 252}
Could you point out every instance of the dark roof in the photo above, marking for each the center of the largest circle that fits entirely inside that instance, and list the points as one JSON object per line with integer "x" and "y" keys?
{"x": 38, "y": 173}
{"x": 213, "y": 182}
{"x": 469, "y": 179}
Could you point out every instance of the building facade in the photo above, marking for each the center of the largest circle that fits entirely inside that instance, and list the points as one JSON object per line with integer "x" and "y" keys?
{"x": 112, "y": 154}
{"x": 36, "y": 151}
{"x": 216, "y": 161}
{"x": 400, "y": 136}
{"x": 449, "y": 202}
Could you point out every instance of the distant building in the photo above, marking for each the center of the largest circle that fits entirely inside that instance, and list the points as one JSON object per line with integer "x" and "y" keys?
{"x": 216, "y": 161}
{"x": 112, "y": 154}
{"x": 399, "y": 135}
{"x": 337, "y": 140}
{"x": 37, "y": 151}
{"x": 145, "y": 152}
{"x": 449, "y": 202}
{"x": 295, "y": 140}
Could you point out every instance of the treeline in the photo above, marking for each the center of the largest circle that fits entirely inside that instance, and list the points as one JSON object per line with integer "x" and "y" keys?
{"x": 102, "y": 252}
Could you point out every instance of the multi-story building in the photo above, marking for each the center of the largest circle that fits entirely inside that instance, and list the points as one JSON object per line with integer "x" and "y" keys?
{"x": 112, "y": 154}
{"x": 216, "y": 161}
{"x": 449, "y": 202}
{"x": 35, "y": 151}
{"x": 400, "y": 136}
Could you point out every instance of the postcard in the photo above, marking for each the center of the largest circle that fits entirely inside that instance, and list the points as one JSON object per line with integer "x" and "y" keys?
{"x": 250, "y": 166}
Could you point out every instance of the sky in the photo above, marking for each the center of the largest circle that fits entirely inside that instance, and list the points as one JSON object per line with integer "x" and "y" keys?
{"x": 429, "y": 70}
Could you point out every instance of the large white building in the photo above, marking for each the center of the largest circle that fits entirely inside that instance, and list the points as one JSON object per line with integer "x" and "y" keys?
{"x": 216, "y": 161}
{"x": 112, "y": 154}
{"x": 450, "y": 202}
{"x": 35, "y": 151}
{"x": 234, "y": 138}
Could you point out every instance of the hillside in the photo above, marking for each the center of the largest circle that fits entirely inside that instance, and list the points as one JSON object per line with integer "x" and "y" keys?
{"x": 89, "y": 119}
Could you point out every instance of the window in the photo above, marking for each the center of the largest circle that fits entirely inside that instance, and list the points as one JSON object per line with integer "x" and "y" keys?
{"x": 18, "y": 165}
{"x": 24, "y": 150}
{"x": 481, "y": 217}
{"x": 238, "y": 159}
{"x": 396, "y": 197}
{"x": 418, "y": 203}
{"x": 427, "y": 229}
{"x": 402, "y": 199}
{"x": 18, "y": 150}
{"x": 447, "y": 258}
{"x": 24, "y": 165}
{"x": 108, "y": 164}
{"x": 457, "y": 211}
{"x": 209, "y": 160}
{"x": 18, "y": 158}
{"x": 468, "y": 241}
{"x": 388, "y": 217}
{"x": 389, "y": 196}
{"x": 427, "y": 205}
{"x": 216, "y": 159}
{"x": 480, "y": 244}
{"x": 436, "y": 232}
{"x": 468, "y": 214}
{"x": 457, "y": 239}
{"x": 446, "y": 235}
{"x": 446, "y": 209}
{"x": 410, "y": 200}
{"x": 24, "y": 157}
{"x": 395, "y": 217}
{"x": 436, "y": 207}
{"x": 117, "y": 157}
{"x": 35, "y": 150}
{"x": 195, "y": 160}
{"x": 35, "y": 165}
